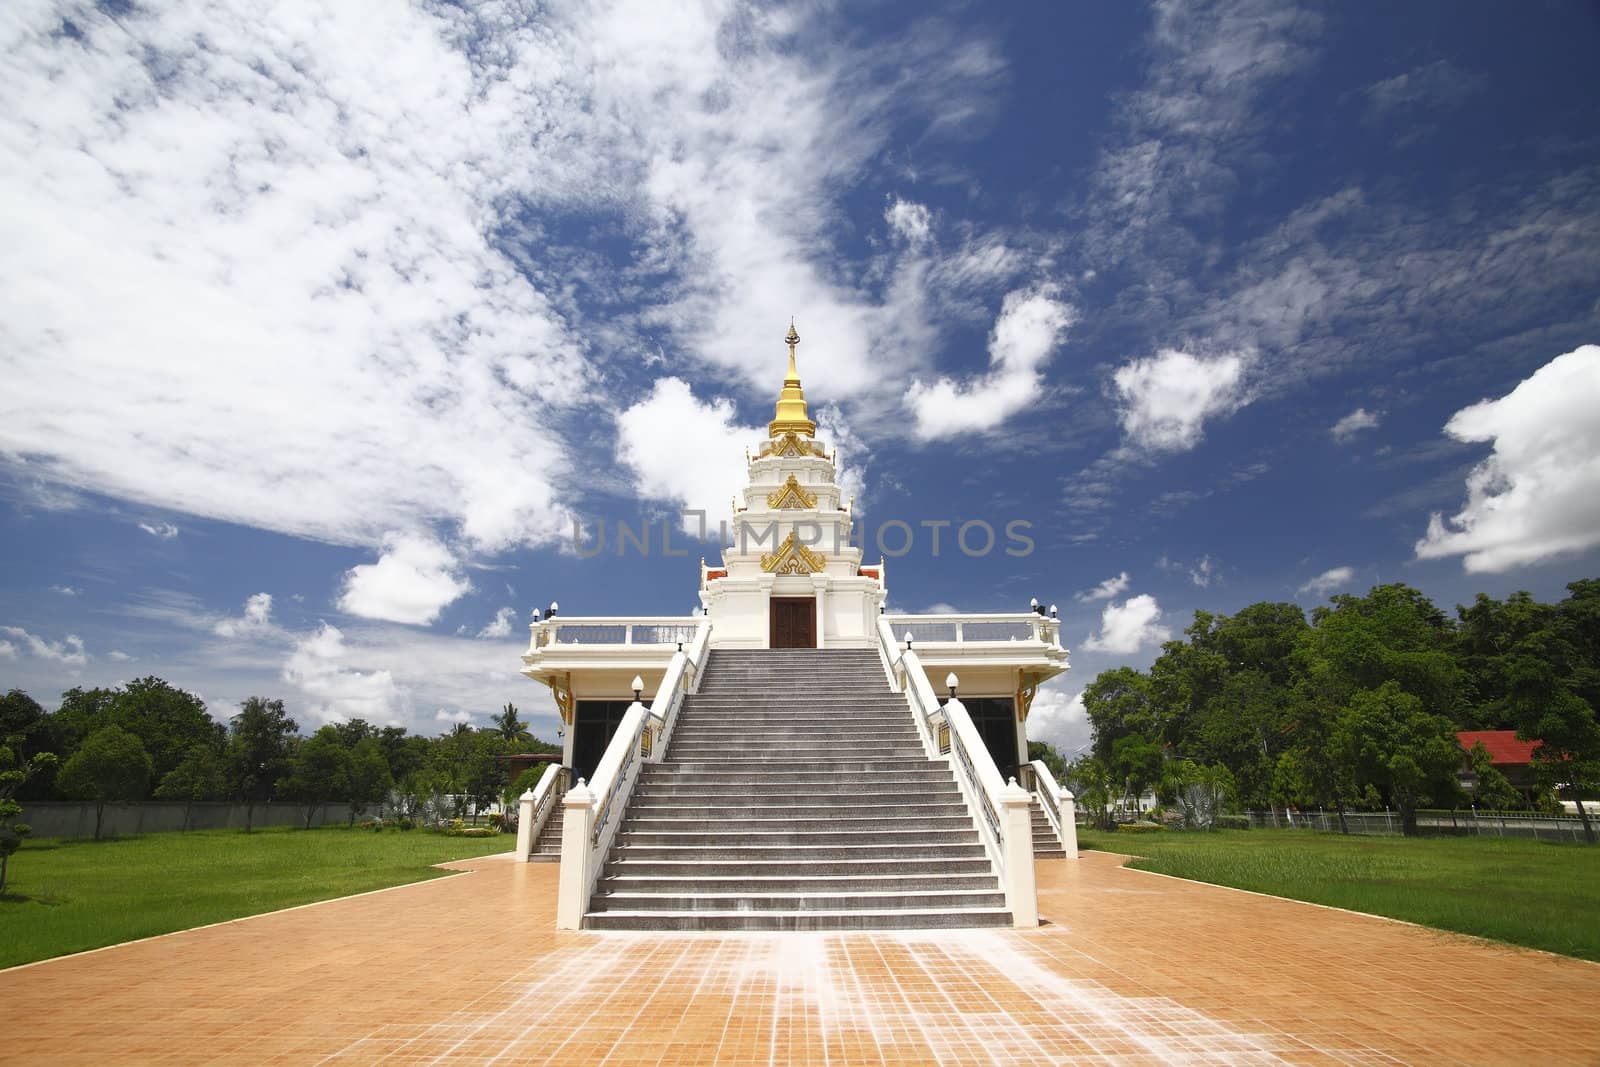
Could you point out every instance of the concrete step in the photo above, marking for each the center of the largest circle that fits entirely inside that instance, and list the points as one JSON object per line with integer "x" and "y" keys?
{"x": 811, "y": 884}
{"x": 668, "y": 807}
{"x": 796, "y": 902}
{"x": 932, "y": 860}
{"x": 737, "y": 837}
{"x": 658, "y": 822}
{"x": 921, "y": 919}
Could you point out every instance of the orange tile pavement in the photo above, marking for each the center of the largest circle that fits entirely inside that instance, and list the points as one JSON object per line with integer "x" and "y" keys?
{"x": 1132, "y": 968}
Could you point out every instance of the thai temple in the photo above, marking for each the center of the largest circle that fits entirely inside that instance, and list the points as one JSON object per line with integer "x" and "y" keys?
{"x": 793, "y": 755}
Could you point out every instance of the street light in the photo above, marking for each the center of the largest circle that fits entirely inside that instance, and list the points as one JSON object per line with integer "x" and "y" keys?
{"x": 638, "y": 688}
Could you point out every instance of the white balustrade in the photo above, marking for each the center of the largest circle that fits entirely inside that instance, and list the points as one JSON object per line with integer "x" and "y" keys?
{"x": 613, "y": 630}
{"x": 593, "y": 810}
{"x": 1000, "y": 811}
{"x": 1060, "y": 809}
{"x": 535, "y": 806}
{"x": 969, "y": 629}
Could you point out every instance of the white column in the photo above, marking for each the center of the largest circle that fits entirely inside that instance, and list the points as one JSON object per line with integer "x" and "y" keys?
{"x": 1069, "y": 824}
{"x": 1021, "y": 893}
{"x": 525, "y": 827}
{"x": 572, "y": 899}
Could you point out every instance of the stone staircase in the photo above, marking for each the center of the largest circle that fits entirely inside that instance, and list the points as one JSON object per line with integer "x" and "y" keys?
{"x": 795, "y": 795}
{"x": 1046, "y": 845}
{"x": 547, "y": 847}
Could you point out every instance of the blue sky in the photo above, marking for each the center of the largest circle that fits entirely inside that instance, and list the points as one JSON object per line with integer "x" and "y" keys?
{"x": 323, "y": 324}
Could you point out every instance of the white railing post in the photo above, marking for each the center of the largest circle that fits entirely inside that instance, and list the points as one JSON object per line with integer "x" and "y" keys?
{"x": 572, "y": 898}
{"x": 525, "y": 827}
{"x": 1069, "y": 824}
{"x": 1022, "y": 896}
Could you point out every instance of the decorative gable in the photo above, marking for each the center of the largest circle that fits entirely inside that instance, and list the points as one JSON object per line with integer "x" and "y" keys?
{"x": 792, "y": 558}
{"x": 792, "y": 495}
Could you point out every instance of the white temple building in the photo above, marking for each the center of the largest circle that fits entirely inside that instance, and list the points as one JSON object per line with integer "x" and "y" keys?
{"x": 790, "y": 722}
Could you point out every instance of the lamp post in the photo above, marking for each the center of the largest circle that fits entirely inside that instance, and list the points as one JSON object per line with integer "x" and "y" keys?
{"x": 638, "y": 688}
{"x": 950, "y": 681}
{"x": 908, "y": 640}
{"x": 551, "y": 613}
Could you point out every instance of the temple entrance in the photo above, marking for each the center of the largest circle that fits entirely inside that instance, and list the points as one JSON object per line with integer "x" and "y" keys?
{"x": 595, "y": 722}
{"x": 794, "y": 622}
{"x": 996, "y": 720}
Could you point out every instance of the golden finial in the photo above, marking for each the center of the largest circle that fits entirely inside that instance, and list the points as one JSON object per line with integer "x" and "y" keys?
{"x": 791, "y": 414}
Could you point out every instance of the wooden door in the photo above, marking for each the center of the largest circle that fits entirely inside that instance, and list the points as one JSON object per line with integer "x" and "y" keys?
{"x": 794, "y": 622}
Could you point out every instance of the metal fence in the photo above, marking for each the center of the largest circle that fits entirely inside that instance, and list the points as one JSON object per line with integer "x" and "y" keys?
{"x": 76, "y": 819}
{"x": 1485, "y": 824}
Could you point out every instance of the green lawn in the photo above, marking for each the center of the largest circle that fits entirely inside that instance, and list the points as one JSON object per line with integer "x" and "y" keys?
{"x": 66, "y": 896}
{"x": 1528, "y": 893}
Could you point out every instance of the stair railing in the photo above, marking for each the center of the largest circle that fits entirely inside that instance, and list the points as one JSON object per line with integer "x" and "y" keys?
{"x": 999, "y": 811}
{"x": 1060, "y": 809}
{"x": 593, "y": 810}
{"x": 535, "y": 805}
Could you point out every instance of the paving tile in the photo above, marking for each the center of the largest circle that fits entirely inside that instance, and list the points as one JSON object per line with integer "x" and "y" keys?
{"x": 1131, "y": 969}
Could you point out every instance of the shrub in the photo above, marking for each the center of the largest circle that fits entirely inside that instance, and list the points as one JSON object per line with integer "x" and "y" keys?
{"x": 407, "y": 823}
{"x": 1140, "y": 828}
{"x": 470, "y": 831}
{"x": 1232, "y": 822}
{"x": 496, "y": 819}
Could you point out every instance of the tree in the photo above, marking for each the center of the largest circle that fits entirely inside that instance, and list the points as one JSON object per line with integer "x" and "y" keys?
{"x": 168, "y": 721}
{"x": 318, "y": 772}
{"x": 511, "y": 728}
{"x": 110, "y": 765}
{"x": 1491, "y": 790}
{"x": 20, "y": 717}
{"x": 15, "y": 770}
{"x": 198, "y": 777}
{"x": 1119, "y": 703}
{"x": 1136, "y": 764}
{"x": 258, "y": 752}
{"x": 1385, "y": 736}
{"x": 1200, "y": 793}
{"x": 370, "y": 780}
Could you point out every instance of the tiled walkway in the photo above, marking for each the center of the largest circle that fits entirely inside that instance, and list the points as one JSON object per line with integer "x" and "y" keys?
{"x": 1133, "y": 968}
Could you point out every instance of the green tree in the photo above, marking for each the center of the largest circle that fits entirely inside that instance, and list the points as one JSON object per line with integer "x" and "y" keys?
{"x": 15, "y": 770}
{"x": 20, "y": 718}
{"x": 1119, "y": 703}
{"x": 1135, "y": 765}
{"x": 199, "y": 776}
{"x": 370, "y": 780}
{"x": 258, "y": 750}
{"x": 166, "y": 720}
{"x": 1491, "y": 790}
{"x": 319, "y": 772}
{"x": 111, "y": 764}
{"x": 1385, "y": 736}
{"x": 511, "y": 728}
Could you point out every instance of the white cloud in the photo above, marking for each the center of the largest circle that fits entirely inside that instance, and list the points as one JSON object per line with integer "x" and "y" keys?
{"x": 1164, "y": 400}
{"x": 1433, "y": 85}
{"x": 1127, "y": 627}
{"x": 500, "y": 625}
{"x": 256, "y": 620}
{"x": 1352, "y": 424}
{"x": 66, "y": 590}
{"x": 1329, "y": 580}
{"x": 1538, "y": 493}
{"x": 910, "y": 221}
{"x": 8, "y": 650}
{"x": 1059, "y": 720}
{"x": 337, "y": 692}
{"x": 686, "y": 451}
{"x": 118, "y": 655}
{"x": 1105, "y": 590}
{"x": 69, "y": 651}
{"x": 163, "y": 530}
{"x": 442, "y": 715}
{"x": 414, "y": 579}
{"x": 941, "y": 608}
{"x": 1025, "y": 334}
{"x": 1203, "y": 573}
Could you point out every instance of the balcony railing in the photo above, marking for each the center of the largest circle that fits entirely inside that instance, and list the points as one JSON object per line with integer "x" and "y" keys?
{"x": 667, "y": 630}
{"x": 976, "y": 628}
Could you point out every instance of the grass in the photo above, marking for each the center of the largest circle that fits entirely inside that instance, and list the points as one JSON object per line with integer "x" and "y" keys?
{"x": 1541, "y": 895}
{"x": 69, "y": 895}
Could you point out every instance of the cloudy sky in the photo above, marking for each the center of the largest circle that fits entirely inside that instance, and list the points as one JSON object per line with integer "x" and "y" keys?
{"x": 322, "y": 325}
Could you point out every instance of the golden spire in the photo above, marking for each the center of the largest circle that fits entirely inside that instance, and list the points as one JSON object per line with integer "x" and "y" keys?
{"x": 791, "y": 415}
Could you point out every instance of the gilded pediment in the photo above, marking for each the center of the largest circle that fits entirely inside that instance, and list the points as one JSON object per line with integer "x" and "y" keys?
{"x": 792, "y": 495}
{"x": 792, "y": 558}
